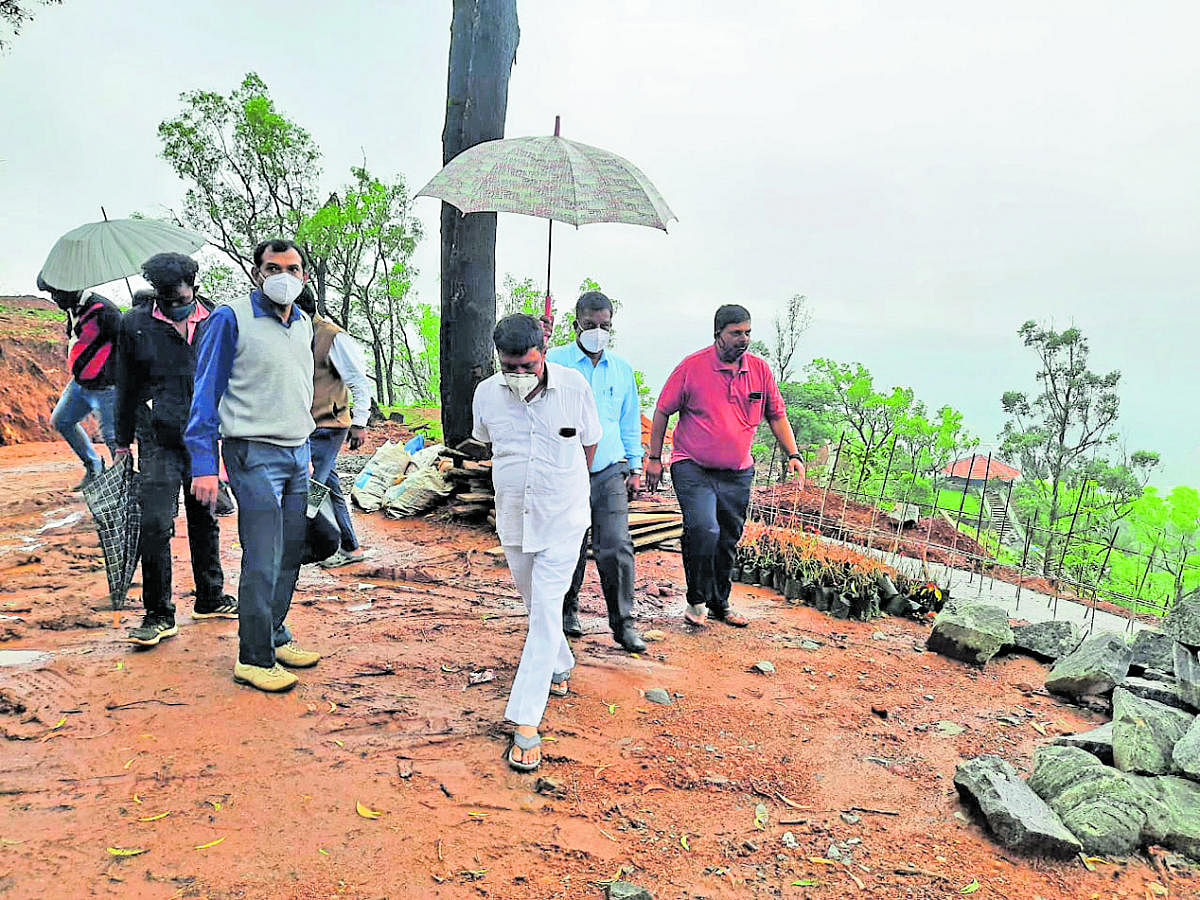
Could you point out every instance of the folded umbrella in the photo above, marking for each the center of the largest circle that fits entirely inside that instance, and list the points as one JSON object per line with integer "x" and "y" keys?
{"x": 114, "y": 498}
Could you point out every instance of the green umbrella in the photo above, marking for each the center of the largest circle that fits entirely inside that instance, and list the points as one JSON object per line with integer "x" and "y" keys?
{"x": 551, "y": 178}
{"x": 100, "y": 252}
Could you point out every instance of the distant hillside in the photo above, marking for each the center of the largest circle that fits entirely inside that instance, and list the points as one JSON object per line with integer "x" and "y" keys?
{"x": 33, "y": 372}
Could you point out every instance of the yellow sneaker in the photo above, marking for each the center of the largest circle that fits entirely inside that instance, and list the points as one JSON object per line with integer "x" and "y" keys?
{"x": 272, "y": 680}
{"x": 294, "y": 656}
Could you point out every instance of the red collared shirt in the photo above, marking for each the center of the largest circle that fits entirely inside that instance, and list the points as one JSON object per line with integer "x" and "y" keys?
{"x": 199, "y": 314}
{"x": 720, "y": 405}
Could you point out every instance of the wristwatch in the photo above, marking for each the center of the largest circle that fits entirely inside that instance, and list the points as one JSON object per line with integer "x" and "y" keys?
{"x": 796, "y": 456}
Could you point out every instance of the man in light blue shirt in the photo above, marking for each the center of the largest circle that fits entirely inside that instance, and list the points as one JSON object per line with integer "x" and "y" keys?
{"x": 616, "y": 469}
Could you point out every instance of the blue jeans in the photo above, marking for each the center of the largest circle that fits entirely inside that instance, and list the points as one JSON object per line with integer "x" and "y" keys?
{"x": 713, "y": 503}
{"x": 324, "y": 443}
{"x": 271, "y": 486}
{"x": 75, "y": 404}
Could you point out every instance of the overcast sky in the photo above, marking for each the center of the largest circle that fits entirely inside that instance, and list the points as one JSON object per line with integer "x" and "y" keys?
{"x": 929, "y": 174}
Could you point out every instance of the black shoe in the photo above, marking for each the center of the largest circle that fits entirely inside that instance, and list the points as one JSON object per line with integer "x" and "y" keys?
{"x": 152, "y": 630}
{"x": 628, "y": 637}
{"x": 225, "y": 607}
{"x": 572, "y": 627}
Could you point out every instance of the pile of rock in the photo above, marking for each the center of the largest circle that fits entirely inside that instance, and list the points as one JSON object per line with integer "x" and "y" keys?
{"x": 1134, "y": 781}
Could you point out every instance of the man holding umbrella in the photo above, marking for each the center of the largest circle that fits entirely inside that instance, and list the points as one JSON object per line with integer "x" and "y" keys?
{"x": 721, "y": 393}
{"x": 616, "y": 468}
{"x": 93, "y": 323}
{"x": 157, "y": 363}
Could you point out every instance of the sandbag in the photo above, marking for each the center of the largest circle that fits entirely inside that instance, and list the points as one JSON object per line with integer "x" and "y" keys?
{"x": 421, "y": 489}
{"x": 386, "y": 468}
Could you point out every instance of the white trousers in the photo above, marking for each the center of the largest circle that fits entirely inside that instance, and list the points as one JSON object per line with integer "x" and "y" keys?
{"x": 543, "y": 579}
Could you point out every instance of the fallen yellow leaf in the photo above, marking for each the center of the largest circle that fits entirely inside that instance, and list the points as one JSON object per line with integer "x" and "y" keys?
{"x": 130, "y": 762}
{"x": 120, "y": 664}
{"x": 209, "y": 844}
{"x": 137, "y": 799}
{"x": 126, "y": 851}
{"x": 823, "y": 861}
{"x": 971, "y": 888}
{"x": 365, "y": 811}
{"x": 339, "y": 743}
{"x": 478, "y": 815}
{"x": 215, "y": 804}
{"x": 683, "y": 842}
{"x": 161, "y": 815}
{"x": 332, "y": 706}
{"x": 323, "y": 851}
{"x": 61, "y": 722}
{"x": 1039, "y": 728}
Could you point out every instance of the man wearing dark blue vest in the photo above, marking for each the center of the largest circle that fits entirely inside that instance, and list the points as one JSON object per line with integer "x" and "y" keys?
{"x": 254, "y": 390}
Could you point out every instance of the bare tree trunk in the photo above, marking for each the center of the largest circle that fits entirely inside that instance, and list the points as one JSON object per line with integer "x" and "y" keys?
{"x": 483, "y": 46}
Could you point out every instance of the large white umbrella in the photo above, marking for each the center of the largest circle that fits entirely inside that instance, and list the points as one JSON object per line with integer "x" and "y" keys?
{"x": 100, "y": 252}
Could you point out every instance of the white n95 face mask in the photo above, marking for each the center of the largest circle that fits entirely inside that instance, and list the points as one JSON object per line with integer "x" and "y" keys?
{"x": 593, "y": 340}
{"x": 283, "y": 288}
{"x": 521, "y": 383}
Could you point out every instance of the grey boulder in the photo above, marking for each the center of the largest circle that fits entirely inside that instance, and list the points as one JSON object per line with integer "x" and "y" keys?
{"x": 627, "y": 890}
{"x": 1097, "y": 741}
{"x": 1165, "y": 692}
{"x": 1019, "y": 819}
{"x": 1098, "y": 804}
{"x": 1145, "y": 734}
{"x": 972, "y": 632}
{"x": 1047, "y": 640}
{"x": 1186, "y": 754}
{"x": 1176, "y": 824}
{"x": 1187, "y": 674}
{"x": 1182, "y": 622}
{"x": 1099, "y": 664}
{"x": 1152, "y": 649}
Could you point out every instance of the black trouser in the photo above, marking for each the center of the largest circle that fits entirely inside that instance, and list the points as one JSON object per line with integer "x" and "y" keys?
{"x": 611, "y": 545}
{"x": 713, "y": 503}
{"x": 164, "y": 471}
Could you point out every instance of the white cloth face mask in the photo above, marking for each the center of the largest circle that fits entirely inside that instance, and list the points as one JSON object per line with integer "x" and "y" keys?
{"x": 521, "y": 383}
{"x": 593, "y": 340}
{"x": 283, "y": 288}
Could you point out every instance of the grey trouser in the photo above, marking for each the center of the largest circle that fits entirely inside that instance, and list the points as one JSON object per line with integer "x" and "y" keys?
{"x": 611, "y": 545}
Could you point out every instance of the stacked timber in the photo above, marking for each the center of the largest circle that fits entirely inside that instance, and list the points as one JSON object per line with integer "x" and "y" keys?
{"x": 469, "y": 473}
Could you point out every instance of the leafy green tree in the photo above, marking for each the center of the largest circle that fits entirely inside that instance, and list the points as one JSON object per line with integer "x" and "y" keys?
{"x": 366, "y": 234}
{"x": 871, "y": 417}
{"x": 931, "y": 444}
{"x": 251, "y": 172}
{"x": 1069, "y": 421}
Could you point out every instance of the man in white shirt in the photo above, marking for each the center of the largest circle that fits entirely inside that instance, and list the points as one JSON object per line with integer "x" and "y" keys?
{"x": 541, "y": 422}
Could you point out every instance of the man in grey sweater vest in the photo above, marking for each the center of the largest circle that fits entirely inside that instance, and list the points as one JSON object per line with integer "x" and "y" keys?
{"x": 254, "y": 389}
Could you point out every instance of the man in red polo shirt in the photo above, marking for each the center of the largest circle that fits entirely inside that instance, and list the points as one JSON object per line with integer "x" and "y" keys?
{"x": 721, "y": 394}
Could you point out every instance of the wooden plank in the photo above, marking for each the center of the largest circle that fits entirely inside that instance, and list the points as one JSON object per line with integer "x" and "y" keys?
{"x": 477, "y": 497}
{"x": 636, "y": 519}
{"x": 657, "y": 537}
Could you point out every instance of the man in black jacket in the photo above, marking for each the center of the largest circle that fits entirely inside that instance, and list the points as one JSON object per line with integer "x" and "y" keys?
{"x": 156, "y": 370}
{"x": 92, "y": 325}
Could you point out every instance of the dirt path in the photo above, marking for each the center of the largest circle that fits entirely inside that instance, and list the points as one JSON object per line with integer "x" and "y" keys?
{"x": 101, "y": 741}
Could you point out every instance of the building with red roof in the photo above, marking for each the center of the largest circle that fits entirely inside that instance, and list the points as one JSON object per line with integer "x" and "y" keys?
{"x": 974, "y": 470}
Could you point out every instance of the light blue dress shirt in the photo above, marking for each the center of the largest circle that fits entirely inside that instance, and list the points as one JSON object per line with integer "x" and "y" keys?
{"x": 615, "y": 390}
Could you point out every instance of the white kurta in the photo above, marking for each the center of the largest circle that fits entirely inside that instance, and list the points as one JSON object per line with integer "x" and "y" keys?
{"x": 540, "y": 477}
